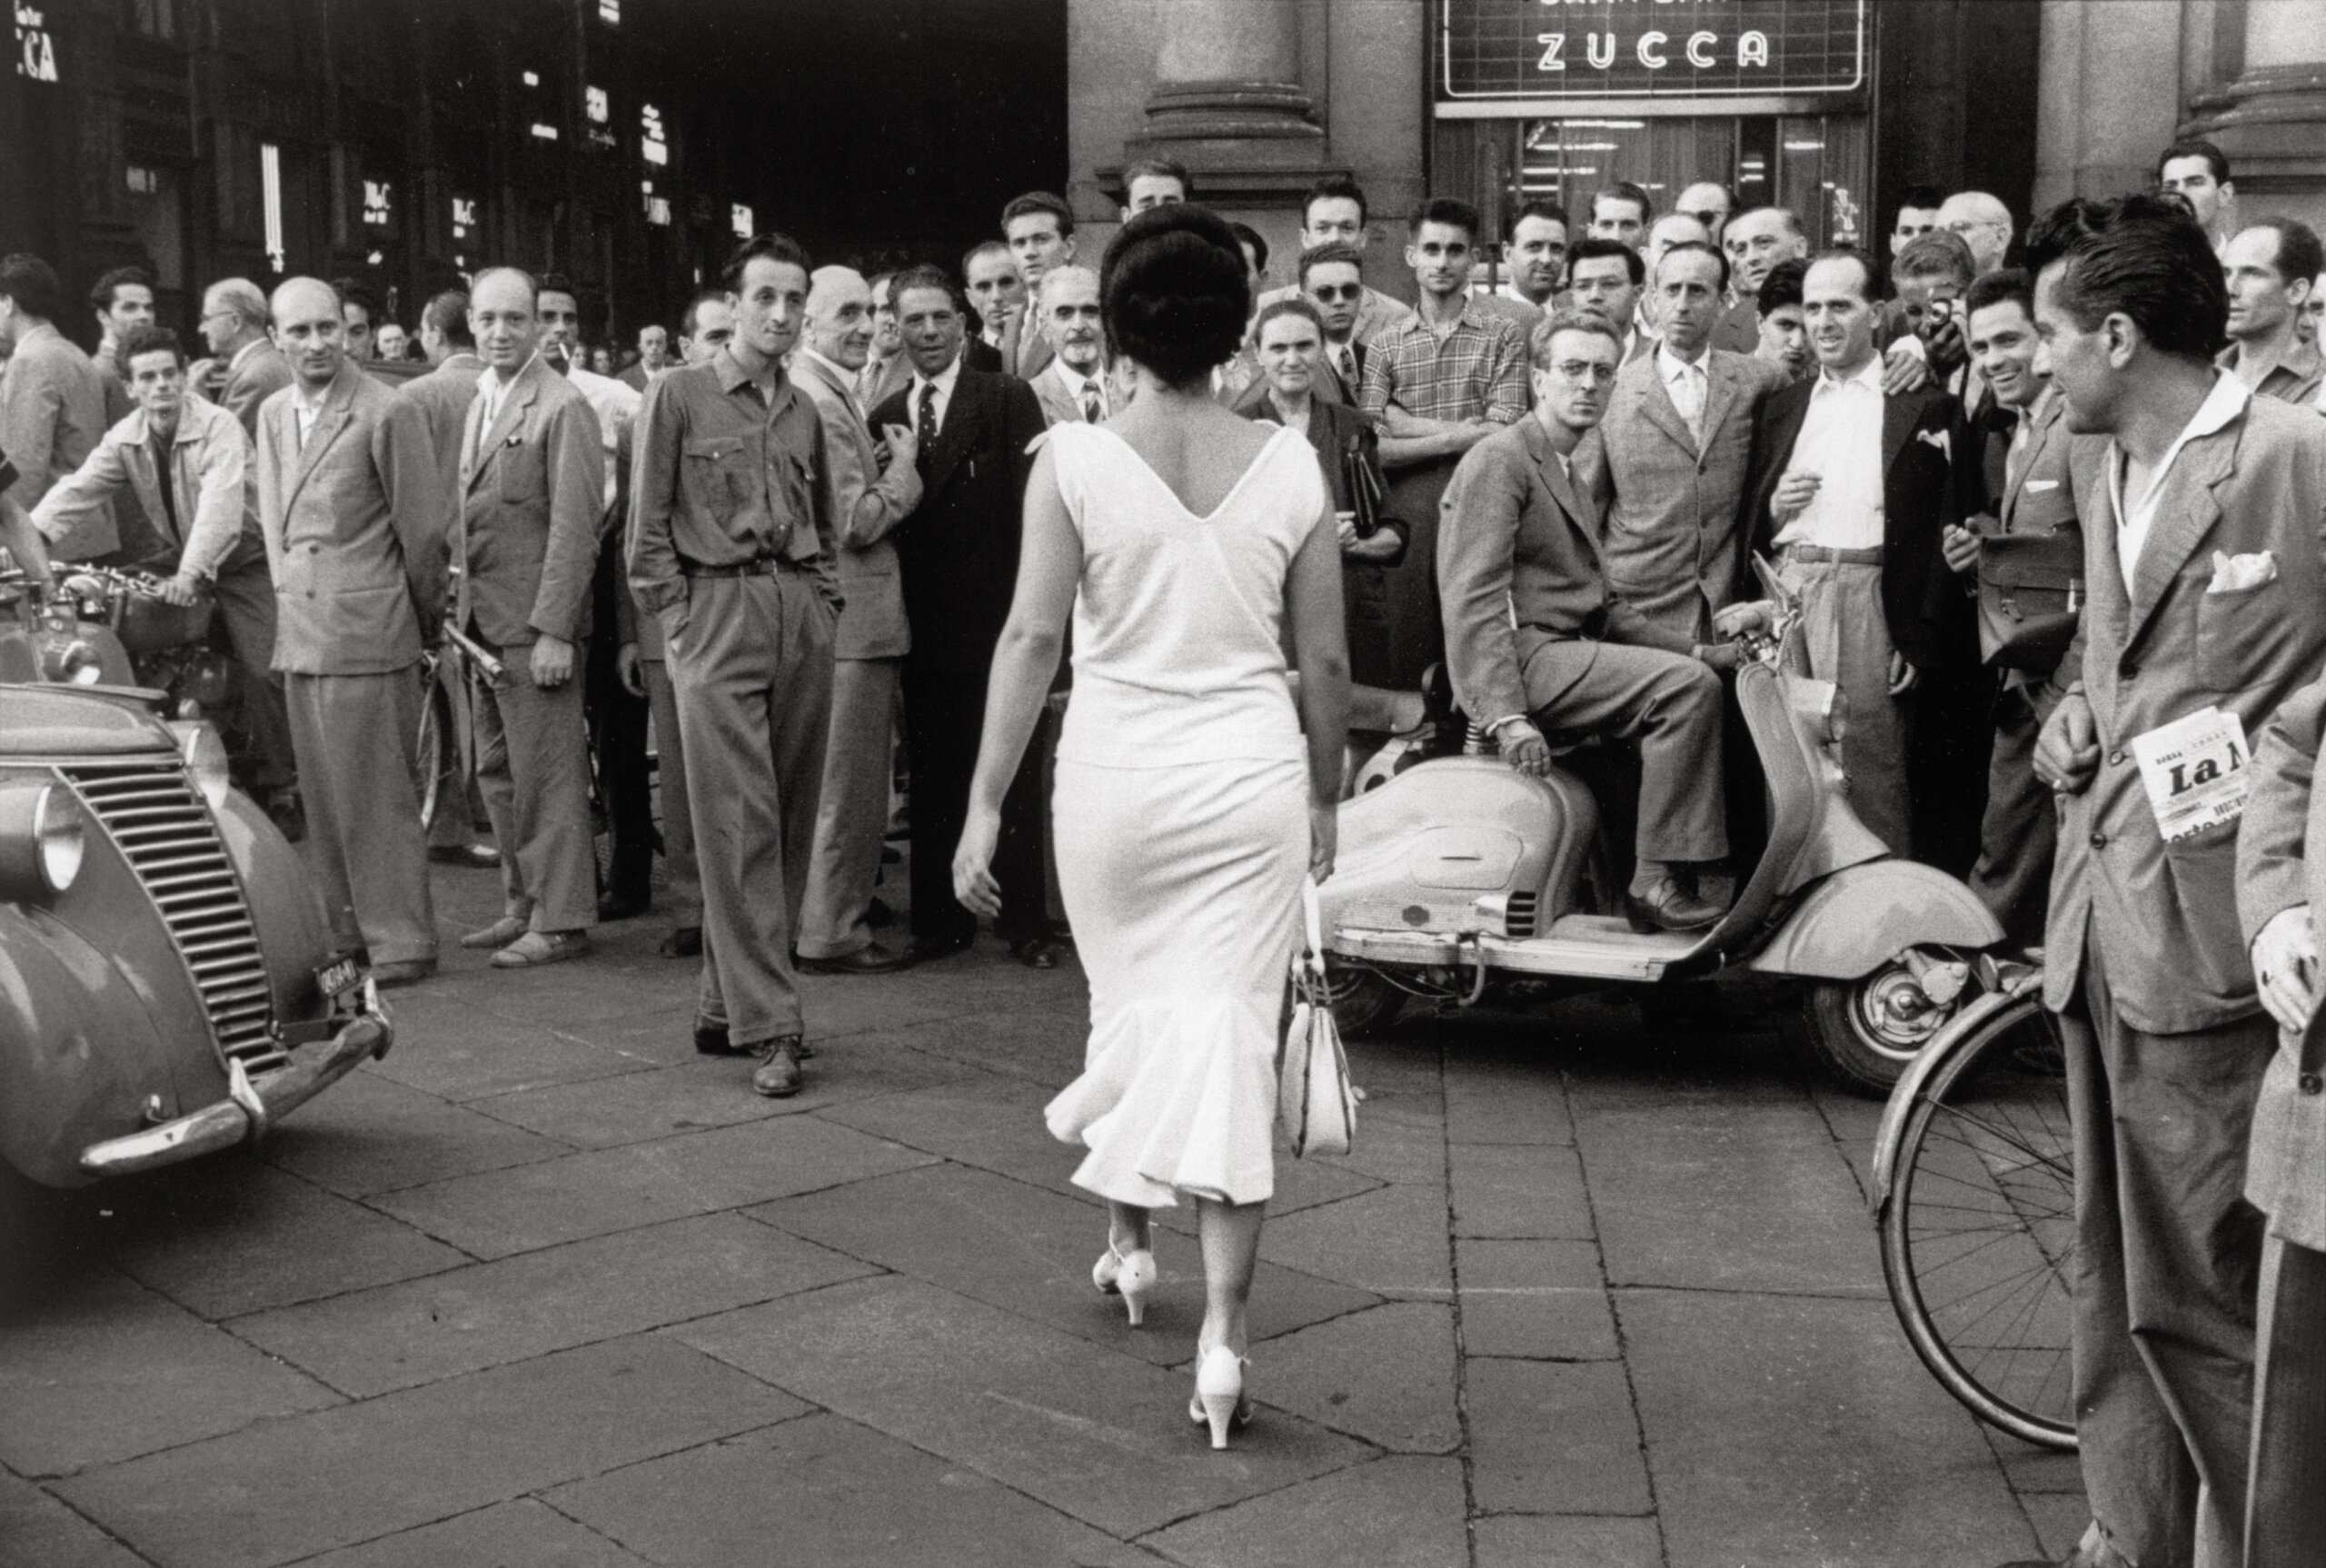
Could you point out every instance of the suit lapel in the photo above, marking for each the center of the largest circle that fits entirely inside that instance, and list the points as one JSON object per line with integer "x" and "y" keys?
{"x": 1899, "y": 417}
{"x": 1656, "y": 405}
{"x": 330, "y": 419}
{"x": 519, "y": 397}
{"x": 2104, "y": 568}
{"x": 2039, "y": 440}
{"x": 962, "y": 415}
{"x": 2186, "y": 512}
{"x": 1580, "y": 517}
{"x": 1722, "y": 386}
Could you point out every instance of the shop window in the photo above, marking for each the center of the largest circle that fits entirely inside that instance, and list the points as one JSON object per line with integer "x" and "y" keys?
{"x": 158, "y": 217}
{"x": 1818, "y": 165}
{"x": 154, "y": 19}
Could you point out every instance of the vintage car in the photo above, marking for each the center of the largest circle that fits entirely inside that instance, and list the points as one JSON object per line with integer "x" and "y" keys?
{"x": 166, "y": 983}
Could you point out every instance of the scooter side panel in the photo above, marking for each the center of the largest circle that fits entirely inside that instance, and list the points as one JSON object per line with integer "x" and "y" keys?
{"x": 1417, "y": 852}
{"x": 1861, "y": 917}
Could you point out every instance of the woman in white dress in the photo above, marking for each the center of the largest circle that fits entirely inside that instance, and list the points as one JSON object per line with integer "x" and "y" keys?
{"x": 1194, "y": 791}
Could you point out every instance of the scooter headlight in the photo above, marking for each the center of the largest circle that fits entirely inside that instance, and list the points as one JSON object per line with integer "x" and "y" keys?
{"x": 41, "y": 837}
{"x": 205, "y": 759}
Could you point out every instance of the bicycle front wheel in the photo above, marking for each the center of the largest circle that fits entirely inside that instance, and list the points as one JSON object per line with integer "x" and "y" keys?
{"x": 1978, "y": 1226}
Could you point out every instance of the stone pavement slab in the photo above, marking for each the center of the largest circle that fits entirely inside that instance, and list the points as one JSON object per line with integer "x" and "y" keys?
{"x": 1390, "y": 1241}
{"x": 1539, "y": 1299}
{"x": 1553, "y": 1437}
{"x": 1029, "y": 1251}
{"x": 459, "y": 1052}
{"x": 1786, "y": 1429}
{"x": 525, "y": 1534}
{"x": 36, "y": 1530}
{"x": 371, "y": 1134}
{"x": 288, "y": 1489}
{"x": 1394, "y": 1512}
{"x": 1386, "y": 1375}
{"x": 1097, "y": 1435}
{"x": 832, "y": 1493}
{"x": 107, "y": 1369}
{"x": 369, "y": 1342}
{"x": 1567, "y": 1541}
{"x": 1518, "y": 1190}
{"x": 234, "y": 1235}
{"x": 1504, "y": 1102}
{"x": 498, "y": 1212}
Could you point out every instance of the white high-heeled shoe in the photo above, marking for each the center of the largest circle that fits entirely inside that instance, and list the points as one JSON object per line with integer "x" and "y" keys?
{"x": 1129, "y": 1274}
{"x": 1219, "y": 1393}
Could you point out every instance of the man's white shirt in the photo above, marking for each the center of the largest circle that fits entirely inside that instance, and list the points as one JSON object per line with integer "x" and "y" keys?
{"x": 944, "y": 381}
{"x": 1840, "y": 442}
{"x": 2222, "y": 405}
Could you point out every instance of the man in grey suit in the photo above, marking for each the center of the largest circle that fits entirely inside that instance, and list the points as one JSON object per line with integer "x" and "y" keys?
{"x": 1670, "y": 460}
{"x": 873, "y": 490}
{"x": 1538, "y": 644}
{"x": 2203, "y": 521}
{"x": 52, "y": 402}
{"x": 1071, "y": 388}
{"x": 234, "y": 324}
{"x": 2280, "y": 892}
{"x": 532, "y": 484}
{"x": 348, "y": 497}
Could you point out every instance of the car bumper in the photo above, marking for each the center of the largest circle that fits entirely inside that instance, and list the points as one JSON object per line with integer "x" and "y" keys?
{"x": 251, "y": 1104}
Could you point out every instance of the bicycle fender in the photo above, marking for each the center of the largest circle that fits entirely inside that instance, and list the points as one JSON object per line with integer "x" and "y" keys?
{"x": 1861, "y": 917}
{"x": 1883, "y": 1170}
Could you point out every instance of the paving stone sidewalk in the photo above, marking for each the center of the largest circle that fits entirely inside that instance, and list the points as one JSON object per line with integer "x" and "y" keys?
{"x": 545, "y": 1288}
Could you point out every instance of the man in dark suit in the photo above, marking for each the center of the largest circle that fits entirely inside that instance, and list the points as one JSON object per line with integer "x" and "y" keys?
{"x": 1852, "y": 491}
{"x": 958, "y": 555}
{"x": 532, "y": 482}
{"x": 1332, "y": 279}
{"x": 2204, "y": 533}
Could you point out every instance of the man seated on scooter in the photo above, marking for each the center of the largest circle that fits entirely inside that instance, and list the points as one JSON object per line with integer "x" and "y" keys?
{"x": 189, "y": 463}
{"x": 1537, "y": 644}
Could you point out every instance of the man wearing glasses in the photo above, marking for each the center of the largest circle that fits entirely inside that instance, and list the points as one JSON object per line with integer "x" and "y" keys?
{"x": 1538, "y": 645}
{"x": 1984, "y": 223}
{"x": 233, "y": 326}
{"x": 1333, "y": 277}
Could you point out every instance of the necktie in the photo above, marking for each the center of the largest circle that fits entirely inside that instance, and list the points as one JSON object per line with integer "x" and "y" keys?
{"x": 928, "y": 420}
{"x": 1347, "y": 361}
{"x": 1093, "y": 410}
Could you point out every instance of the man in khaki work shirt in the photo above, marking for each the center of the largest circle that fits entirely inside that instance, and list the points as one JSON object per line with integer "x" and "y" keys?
{"x": 733, "y": 551}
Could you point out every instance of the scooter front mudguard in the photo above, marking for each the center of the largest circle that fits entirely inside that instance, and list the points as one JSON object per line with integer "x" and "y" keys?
{"x": 1861, "y": 917}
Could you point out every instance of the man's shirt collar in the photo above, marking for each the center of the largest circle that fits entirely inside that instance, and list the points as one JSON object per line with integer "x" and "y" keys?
{"x": 1868, "y": 375}
{"x": 1669, "y": 364}
{"x": 943, "y": 381}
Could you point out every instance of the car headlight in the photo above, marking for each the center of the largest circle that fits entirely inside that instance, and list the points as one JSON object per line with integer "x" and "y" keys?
{"x": 70, "y": 661}
{"x": 41, "y": 840}
{"x": 205, "y": 759}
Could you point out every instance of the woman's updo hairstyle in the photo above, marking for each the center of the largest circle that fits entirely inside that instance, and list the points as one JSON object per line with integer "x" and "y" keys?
{"x": 1173, "y": 292}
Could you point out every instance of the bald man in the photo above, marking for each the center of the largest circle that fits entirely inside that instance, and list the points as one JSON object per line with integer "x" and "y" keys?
{"x": 1984, "y": 223}
{"x": 350, "y": 501}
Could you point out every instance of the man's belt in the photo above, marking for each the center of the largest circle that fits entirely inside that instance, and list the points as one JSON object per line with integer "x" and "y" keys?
{"x": 1838, "y": 556}
{"x": 758, "y": 566}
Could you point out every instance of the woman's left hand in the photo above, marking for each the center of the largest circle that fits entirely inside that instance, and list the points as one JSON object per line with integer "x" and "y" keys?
{"x": 1324, "y": 837}
{"x": 973, "y": 880}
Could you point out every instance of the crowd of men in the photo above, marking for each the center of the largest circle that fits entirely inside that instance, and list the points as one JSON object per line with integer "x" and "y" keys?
{"x": 793, "y": 546}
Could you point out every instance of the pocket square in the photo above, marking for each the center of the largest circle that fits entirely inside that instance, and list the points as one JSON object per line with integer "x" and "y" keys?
{"x": 2036, "y": 486}
{"x": 1939, "y": 439}
{"x": 2236, "y": 573}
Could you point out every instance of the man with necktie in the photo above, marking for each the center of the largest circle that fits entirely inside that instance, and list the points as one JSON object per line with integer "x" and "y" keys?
{"x": 1072, "y": 387}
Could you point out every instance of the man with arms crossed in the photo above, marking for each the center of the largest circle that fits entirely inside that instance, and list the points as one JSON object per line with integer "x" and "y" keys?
{"x": 350, "y": 496}
{"x": 734, "y": 544}
{"x": 873, "y": 490}
{"x": 1535, "y": 643}
{"x": 2202, "y": 533}
{"x": 532, "y": 484}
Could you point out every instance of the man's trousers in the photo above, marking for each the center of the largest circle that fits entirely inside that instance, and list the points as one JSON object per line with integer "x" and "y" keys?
{"x": 944, "y": 721}
{"x": 1844, "y": 638}
{"x": 617, "y": 737}
{"x": 532, "y": 765}
{"x": 2285, "y": 1520}
{"x": 1667, "y": 702}
{"x": 355, "y": 737}
{"x": 246, "y": 591}
{"x": 852, "y": 818}
{"x": 750, "y": 663}
{"x": 2168, "y": 1252}
{"x": 678, "y": 817}
{"x": 2020, "y": 831}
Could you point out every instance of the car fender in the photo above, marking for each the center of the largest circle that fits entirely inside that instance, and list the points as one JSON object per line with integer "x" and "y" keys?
{"x": 1860, "y": 918}
{"x": 286, "y": 911}
{"x": 78, "y": 1050}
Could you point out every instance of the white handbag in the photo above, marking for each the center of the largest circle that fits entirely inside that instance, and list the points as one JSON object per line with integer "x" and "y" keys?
{"x": 1314, "y": 1104}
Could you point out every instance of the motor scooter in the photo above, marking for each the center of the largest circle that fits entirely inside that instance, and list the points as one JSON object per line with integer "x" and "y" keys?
{"x": 1458, "y": 874}
{"x": 55, "y": 637}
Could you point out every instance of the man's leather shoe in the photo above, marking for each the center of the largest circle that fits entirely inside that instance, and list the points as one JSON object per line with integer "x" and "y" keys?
{"x": 869, "y": 959}
{"x": 1035, "y": 952}
{"x": 1668, "y": 907}
{"x": 683, "y": 942}
{"x": 535, "y": 948}
{"x": 405, "y": 972}
{"x": 468, "y": 857}
{"x": 926, "y": 949}
{"x": 622, "y": 906}
{"x": 498, "y": 934}
{"x": 778, "y": 1077}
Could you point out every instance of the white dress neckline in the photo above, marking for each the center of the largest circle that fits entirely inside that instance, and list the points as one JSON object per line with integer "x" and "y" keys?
{"x": 1234, "y": 490}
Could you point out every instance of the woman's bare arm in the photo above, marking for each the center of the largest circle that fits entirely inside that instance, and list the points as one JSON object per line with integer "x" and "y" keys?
{"x": 1312, "y": 598}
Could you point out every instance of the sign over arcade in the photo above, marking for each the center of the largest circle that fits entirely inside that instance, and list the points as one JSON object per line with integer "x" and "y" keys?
{"x": 1556, "y": 49}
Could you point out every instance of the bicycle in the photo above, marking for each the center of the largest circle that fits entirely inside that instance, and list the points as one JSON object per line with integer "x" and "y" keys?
{"x": 1973, "y": 1184}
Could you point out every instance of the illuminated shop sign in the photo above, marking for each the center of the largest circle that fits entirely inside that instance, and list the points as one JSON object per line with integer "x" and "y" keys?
{"x": 739, "y": 218}
{"x": 653, "y": 146}
{"x": 378, "y": 202}
{"x": 1556, "y": 49}
{"x": 35, "y": 50}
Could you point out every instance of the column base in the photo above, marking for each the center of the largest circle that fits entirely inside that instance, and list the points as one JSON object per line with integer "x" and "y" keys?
{"x": 2270, "y": 123}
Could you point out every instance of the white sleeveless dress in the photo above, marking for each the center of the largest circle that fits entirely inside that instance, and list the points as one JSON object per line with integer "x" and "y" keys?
{"x": 1181, "y": 816}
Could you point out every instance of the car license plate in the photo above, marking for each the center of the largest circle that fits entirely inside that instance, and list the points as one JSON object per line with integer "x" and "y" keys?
{"x": 338, "y": 978}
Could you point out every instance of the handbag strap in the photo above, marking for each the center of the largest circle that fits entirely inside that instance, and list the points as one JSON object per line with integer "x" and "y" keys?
{"x": 1312, "y": 957}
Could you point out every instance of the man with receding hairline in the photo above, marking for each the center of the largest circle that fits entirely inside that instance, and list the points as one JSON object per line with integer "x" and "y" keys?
{"x": 350, "y": 500}
{"x": 234, "y": 325}
{"x": 2270, "y": 269}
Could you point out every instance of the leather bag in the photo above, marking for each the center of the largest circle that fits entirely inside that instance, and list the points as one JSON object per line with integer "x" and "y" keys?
{"x": 1315, "y": 1105}
{"x": 2030, "y": 595}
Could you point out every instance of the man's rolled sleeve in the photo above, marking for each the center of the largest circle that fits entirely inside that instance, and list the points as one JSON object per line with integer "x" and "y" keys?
{"x": 1380, "y": 390}
{"x": 575, "y": 463}
{"x": 1506, "y": 401}
{"x": 651, "y": 559}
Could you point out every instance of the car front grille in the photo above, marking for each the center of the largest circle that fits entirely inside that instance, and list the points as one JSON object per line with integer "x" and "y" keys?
{"x": 165, "y": 831}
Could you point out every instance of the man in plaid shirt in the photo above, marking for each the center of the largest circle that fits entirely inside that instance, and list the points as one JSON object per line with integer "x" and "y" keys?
{"x": 1436, "y": 385}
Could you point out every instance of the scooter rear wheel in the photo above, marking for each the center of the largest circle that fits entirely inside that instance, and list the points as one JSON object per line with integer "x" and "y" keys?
{"x": 1362, "y": 1000}
{"x": 1866, "y": 1032}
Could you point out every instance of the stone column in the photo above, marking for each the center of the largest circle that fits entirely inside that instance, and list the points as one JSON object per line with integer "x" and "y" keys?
{"x": 2271, "y": 120}
{"x": 1229, "y": 101}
